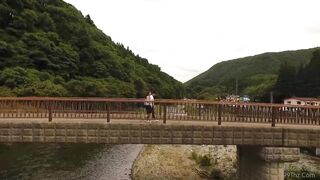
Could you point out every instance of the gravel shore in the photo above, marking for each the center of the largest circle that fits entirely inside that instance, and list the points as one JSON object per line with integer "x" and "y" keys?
{"x": 176, "y": 161}
{"x": 161, "y": 162}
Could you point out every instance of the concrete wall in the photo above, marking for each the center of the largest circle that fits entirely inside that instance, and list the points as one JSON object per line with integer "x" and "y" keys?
{"x": 112, "y": 133}
{"x": 264, "y": 163}
{"x": 317, "y": 152}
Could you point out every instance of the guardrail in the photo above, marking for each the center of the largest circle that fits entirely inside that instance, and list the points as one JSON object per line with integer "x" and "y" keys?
{"x": 165, "y": 109}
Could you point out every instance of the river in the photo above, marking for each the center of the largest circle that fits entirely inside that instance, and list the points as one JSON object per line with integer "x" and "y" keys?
{"x": 67, "y": 161}
{"x": 83, "y": 161}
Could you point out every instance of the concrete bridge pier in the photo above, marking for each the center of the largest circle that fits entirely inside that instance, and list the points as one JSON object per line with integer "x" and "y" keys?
{"x": 264, "y": 163}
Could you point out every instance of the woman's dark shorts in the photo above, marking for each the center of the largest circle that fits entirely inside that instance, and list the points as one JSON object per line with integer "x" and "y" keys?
{"x": 148, "y": 109}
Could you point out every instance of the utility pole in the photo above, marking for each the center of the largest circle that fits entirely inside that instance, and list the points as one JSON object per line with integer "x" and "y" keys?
{"x": 236, "y": 87}
{"x": 271, "y": 97}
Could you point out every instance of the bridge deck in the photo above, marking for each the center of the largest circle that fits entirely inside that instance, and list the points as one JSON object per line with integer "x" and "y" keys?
{"x": 122, "y": 121}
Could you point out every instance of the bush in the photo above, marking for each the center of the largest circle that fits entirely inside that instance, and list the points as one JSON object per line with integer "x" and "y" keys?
{"x": 6, "y": 92}
{"x": 205, "y": 161}
{"x": 194, "y": 156}
{"x": 216, "y": 174}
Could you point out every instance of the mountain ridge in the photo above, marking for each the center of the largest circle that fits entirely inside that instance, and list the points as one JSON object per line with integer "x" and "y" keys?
{"x": 221, "y": 78}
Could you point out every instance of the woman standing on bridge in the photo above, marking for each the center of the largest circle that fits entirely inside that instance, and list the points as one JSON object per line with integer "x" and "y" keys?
{"x": 149, "y": 104}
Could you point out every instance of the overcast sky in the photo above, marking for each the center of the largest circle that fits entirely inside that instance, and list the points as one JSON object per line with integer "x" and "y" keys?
{"x": 187, "y": 37}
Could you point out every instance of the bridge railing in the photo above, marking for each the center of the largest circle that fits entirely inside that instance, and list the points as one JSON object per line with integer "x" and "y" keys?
{"x": 165, "y": 109}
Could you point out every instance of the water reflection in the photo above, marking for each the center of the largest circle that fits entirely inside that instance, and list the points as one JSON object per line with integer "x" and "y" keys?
{"x": 66, "y": 161}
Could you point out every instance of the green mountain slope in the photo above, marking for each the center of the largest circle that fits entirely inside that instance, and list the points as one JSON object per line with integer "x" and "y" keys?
{"x": 48, "y": 48}
{"x": 255, "y": 75}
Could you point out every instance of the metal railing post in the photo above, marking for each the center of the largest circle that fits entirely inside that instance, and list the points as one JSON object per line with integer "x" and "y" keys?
{"x": 219, "y": 113}
{"x": 164, "y": 114}
{"x": 273, "y": 116}
{"x": 108, "y": 112}
{"x": 50, "y": 113}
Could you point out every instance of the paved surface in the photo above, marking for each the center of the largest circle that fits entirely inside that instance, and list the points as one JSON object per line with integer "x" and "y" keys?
{"x": 159, "y": 122}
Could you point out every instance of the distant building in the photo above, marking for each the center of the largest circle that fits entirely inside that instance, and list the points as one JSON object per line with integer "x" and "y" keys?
{"x": 303, "y": 101}
{"x": 236, "y": 98}
{"x": 245, "y": 98}
{"x": 232, "y": 98}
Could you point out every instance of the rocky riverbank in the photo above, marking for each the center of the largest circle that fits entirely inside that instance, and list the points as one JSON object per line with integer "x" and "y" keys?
{"x": 197, "y": 162}
{"x": 184, "y": 162}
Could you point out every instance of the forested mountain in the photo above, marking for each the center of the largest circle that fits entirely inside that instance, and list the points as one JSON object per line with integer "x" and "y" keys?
{"x": 255, "y": 75}
{"x": 48, "y": 48}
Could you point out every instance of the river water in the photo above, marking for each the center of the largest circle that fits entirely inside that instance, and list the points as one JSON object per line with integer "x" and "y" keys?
{"x": 81, "y": 161}
{"x": 67, "y": 161}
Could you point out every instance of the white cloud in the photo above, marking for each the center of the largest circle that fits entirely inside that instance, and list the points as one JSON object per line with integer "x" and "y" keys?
{"x": 186, "y": 37}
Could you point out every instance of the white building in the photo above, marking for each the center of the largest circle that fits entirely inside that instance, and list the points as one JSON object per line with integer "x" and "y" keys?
{"x": 303, "y": 101}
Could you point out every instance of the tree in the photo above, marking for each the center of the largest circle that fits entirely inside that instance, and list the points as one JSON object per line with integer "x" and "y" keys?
{"x": 60, "y": 52}
{"x": 286, "y": 82}
{"x": 139, "y": 86}
{"x": 43, "y": 88}
{"x": 89, "y": 20}
{"x": 16, "y": 4}
{"x": 45, "y": 22}
{"x": 6, "y": 16}
{"x": 31, "y": 18}
{"x": 309, "y": 77}
{"x": 13, "y": 77}
{"x": 6, "y": 50}
{"x": 6, "y": 92}
{"x": 40, "y": 60}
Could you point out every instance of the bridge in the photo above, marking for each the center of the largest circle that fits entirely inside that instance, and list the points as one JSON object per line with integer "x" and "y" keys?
{"x": 266, "y": 135}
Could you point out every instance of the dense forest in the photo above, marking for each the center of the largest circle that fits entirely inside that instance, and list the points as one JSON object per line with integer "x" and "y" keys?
{"x": 48, "y": 48}
{"x": 303, "y": 81}
{"x": 256, "y": 76}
